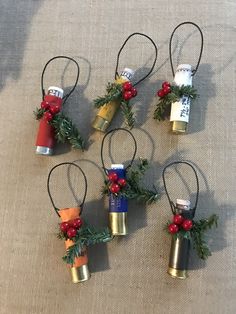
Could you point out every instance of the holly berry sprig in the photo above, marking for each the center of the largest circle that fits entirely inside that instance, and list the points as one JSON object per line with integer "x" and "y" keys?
{"x": 131, "y": 187}
{"x": 82, "y": 235}
{"x": 179, "y": 223}
{"x": 64, "y": 128}
{"x": 169, "y": 94}
{"x": 70, "y": 228}
{"x": 166, "y": 89}
{"x": 116, "y": 184}
{"x": 194, "y": 231}
{"x": 128, "y": 91}
{"x": 122, "y": 93}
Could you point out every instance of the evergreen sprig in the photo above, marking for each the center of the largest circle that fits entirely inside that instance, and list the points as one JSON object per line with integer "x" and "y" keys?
{"x": 127, "y": 113}
{"x": 38, "y": 113}
{"x": 162, "y": 110}
{"x": 134, "y": 188}
{"x": 65, "y": 130}
{"x": 114, "y": 92}
{"x": 197, "y": 235}
{"x": 86, "y": 236}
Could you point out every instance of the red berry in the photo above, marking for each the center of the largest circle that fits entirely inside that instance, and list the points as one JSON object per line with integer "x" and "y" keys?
{"x": 187, "y": 224}
{"x": 64, "y": 226}
{"x": 173, "y": 228}
{"x": 127, "y": 86}
{"x": 76, "y": 223}
{"x": 54, "y": 109}
{"x": 166, "y": 90}
{"x": 127, "y": 95}
{"x": 161, "y": 93}
{"x": 113, "y": 176}
{"x": 122, "y": 182}
{"x": 178, "y": 219}
{"x": 134, "y": 92}
{"x": 71, "y": 233}
{"x": 48, "y": 116}
{"x": 115, "y": 188}
{"x": 44, "y": 105}
{"x": 164, "y": 84}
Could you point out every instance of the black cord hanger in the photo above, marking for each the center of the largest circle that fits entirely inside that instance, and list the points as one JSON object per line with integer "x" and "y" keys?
{"x": 102, "y": 147}
{"x": 122, "y": 47}
{"x": 170, "y": 46}
{"x": 172, "y": 205}
{"x": 48, "y": 185}
{"x": 65, "y": 97}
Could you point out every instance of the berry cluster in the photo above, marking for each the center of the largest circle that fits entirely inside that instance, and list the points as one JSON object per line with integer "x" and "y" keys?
{"x": 69, "y": 228}
{"x": 116, "y": 183}
{"x": 178, "y": 223}
{"x": 166, "y": 89}
{"x": 50, "y": 110}
{"x": 128, "y": 91}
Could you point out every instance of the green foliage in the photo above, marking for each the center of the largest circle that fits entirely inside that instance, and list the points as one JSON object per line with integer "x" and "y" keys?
{"x": 114, "y": 92}
{"x": 197, "y": 235}
{"x": 65, "y": 130}
{"x": 38, "y": 113}
{"x": 128, "y": 114}
{"x": 86, "y": 236}
{"x": 134, "y": 188}
{"x": 162, "y": 110}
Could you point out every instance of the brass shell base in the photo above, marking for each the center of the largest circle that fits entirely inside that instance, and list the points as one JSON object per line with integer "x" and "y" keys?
{"x": 118, "y": 223}
{"x": 179, "y": 126}
{"x": 176, "y": 273}
{"x": 100, "y": 124}
{"x": 80, "y": 274}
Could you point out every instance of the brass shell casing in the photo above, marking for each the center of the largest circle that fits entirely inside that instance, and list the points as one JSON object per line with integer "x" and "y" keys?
{"x": 179, "y": 256}
{"x": 179, "y": 126}
{"x": 80, "y": 274}
{"x": 100, "y": 124}
{"x": 118, "y": 223}
{"x": 176, "y": 273}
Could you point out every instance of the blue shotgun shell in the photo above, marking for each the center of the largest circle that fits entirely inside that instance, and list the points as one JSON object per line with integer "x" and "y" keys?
{"x": 118, "y": 203}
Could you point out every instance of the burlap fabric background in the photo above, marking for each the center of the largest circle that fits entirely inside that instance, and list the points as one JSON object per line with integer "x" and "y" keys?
{"x": 128, "y": 274}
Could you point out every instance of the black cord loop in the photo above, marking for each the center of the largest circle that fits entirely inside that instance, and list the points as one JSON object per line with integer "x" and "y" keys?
{"x": 48, "y": 185}
{"x": 65, "y": 97}
{"x": 172, "y": 205}
{"x": 122, "y": 47}
{"x": 201, "y": 49}
{"x": 102, "y": 146}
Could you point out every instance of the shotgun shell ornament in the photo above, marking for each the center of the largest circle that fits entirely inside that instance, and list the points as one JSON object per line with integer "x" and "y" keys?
{"x": 122, "y": 184}
{"x": 118, "y": 205}
{"x": 179, "y": 251}
{"x": 79, "y": 269}
{"x": 119, "y": 94}
{"x": 179, "y": 115}
{"x": 52, "y": 104}
{"x": 185, "y": 230}
{"x": 54, "y": 125}
{"x": 76, "y": 232}
{"x": 107, "y": 111}
{"x": 175, "y": 99}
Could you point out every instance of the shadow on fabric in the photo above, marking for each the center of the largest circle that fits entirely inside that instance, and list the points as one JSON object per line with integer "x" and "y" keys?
{"x": 15, "y": 21}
